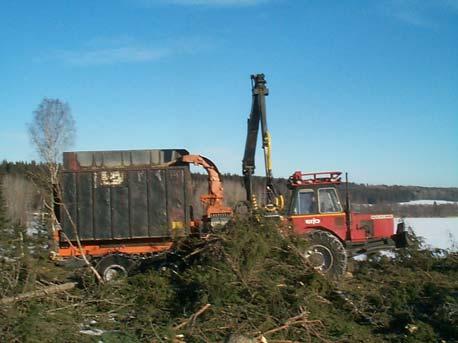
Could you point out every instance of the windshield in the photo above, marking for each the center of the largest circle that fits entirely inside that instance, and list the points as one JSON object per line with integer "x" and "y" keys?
{"x": 329, "y": 201}
{"x": 304, "y": 202}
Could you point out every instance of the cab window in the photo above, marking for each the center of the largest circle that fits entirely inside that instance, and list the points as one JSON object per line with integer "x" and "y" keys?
{"x": 328, "y": 201}
{"x": 304, "y": 203}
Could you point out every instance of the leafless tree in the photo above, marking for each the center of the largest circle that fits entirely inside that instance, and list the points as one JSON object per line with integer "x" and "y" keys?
{"x": 52, "y": 131}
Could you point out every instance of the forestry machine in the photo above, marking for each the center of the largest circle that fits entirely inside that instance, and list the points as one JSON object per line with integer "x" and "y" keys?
{"x": 314, "y": 207}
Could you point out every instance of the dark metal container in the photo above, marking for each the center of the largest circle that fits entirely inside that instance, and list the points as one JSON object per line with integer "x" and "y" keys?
{"x": 124, "y": 195}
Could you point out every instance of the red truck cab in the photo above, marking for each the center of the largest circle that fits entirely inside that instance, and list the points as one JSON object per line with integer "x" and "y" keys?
{"x": 336, "y": 233}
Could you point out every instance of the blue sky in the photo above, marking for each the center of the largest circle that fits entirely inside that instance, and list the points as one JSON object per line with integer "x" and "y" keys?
{"x": 368, "y": 87}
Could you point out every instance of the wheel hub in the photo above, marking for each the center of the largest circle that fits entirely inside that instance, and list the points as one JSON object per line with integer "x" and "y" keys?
{"x": 114, "y": 272}
{"x": 320, "y": 257}
{"x": 316, "y": 259}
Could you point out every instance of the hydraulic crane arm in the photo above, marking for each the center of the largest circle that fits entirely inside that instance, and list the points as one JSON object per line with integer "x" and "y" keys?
{"x": 258, "y": 116}
{"x": 213, "y": 201}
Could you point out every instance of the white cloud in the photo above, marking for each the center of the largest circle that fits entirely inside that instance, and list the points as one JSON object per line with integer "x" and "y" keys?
{"x": 412, "y": 17}
{"x": 422, "y": 13}
{"x": 218, "y": 2}
{"x": 453, "y": 4}
{"x": 208, "y": 3}
{"x": 117, "y": 55}
{"x": 124, "y": 49}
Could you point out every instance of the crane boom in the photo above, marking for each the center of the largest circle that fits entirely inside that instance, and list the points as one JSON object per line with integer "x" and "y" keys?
{"x": 258, "y": 116}
{"x": 213, "y": 201}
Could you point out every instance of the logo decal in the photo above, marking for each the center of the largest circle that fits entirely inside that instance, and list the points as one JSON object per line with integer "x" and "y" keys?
{"x": 382, "y": 216}
{"x": 312, "y": 221}
{"x": 108, "y": 178}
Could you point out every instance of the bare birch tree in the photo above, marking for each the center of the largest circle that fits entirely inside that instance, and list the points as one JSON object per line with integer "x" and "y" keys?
{"x": 52, "y": 131}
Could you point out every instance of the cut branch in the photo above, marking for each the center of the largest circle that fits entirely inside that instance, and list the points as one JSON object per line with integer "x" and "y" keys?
{"x": 39, "y": 293}
{"x": 193, "y": 318}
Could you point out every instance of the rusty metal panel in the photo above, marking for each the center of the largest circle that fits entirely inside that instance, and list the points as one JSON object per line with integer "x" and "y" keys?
{"x": 109, "y": 196}
{"x": 176, "y": 205}
{"x": 120, "y": 225}
{"x": 126, "y": 160}
{"x": 79, "y": 160}
{"x": 98, "y": 159}
{"x": 85, "y": 159}
{"x": 157, "y": 204}
{"x": 112, "y": 159}
{"x": 84, "y": 200}
{"x": 69, "y": 199}
{"x": 138, "y": 202}
{"x": 157, "y": 156}
{"x": 141, "y": 157}
{"x": 102, "y": 212}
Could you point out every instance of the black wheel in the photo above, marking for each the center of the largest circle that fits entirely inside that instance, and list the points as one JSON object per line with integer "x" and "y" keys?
{"x": 326, "y": 254}
{"x": 112, "y": 267}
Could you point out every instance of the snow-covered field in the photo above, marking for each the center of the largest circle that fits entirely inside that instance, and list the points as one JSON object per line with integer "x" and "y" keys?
{"x": 427, "y": 202}
{"x": 437, "y": 232}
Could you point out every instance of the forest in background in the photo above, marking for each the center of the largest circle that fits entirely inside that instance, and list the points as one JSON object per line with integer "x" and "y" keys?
{"x": 364, "y": 197}
{"x": 22, "y": 195}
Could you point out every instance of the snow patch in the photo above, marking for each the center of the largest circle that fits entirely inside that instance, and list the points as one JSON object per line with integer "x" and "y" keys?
{"x": 428, "y": 202}
{"x": 438, "y": 232}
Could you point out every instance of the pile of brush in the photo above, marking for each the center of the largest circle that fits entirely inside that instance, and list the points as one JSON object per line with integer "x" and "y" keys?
{"x": 247, "y": 283}
{"x": 249, "y": 279}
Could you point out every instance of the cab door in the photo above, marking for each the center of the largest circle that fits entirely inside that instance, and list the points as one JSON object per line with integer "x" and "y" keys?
{"x": 331, "y": 210}
{"x": 317, "y": 208}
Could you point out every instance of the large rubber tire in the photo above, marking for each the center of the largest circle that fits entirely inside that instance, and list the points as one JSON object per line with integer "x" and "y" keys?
{"x": 326, "y": 254}
{"x": 114, "y": 267}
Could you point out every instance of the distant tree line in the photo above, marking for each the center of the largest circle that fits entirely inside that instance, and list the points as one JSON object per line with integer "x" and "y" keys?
{"x": 379, "y": 194}
{"x": 21, "y": 193}
{"x": 360, "y": 193}
{"x": 364, "y": 197}
{"x": 20, "y": 168}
